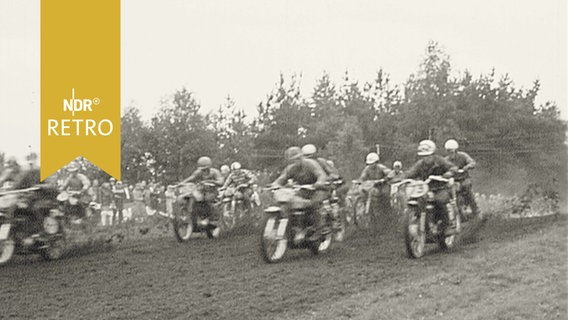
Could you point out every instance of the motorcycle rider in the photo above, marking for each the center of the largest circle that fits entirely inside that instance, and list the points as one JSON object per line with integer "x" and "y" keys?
{"x": 310, "y": 150}
{"x": 205, "y": 173}
{"x": 433, "y": 164}
{"x": 77, "y": 182}
{"x": 376, "y": 171}
{"x": 396, "y": 174}
{"x": 302, "y": 171}
{"x": 464, "y": 162}
{"x": 238, "y": 177}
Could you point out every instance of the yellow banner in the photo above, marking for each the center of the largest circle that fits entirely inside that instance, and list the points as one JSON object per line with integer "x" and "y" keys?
{"x": 80, "y": 84}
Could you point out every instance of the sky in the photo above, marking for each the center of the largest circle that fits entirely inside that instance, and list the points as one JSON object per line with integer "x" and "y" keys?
{"x": 239, "y": 48}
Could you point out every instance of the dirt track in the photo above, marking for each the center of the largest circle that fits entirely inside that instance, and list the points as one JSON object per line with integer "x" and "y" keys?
{"x": 517, "y": 269}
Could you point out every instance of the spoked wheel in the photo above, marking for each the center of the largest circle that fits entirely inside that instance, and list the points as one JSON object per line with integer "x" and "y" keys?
{"x": 414, "y": 237}
{"x": 228, "y": 220}
{"x": 322, "y": 245}
{"x": 349, "y": 211}
{"x": 447, "y": 242}
{"x": 273, "y": 243}
{"x": 213, "y": 233}
{"x": 340, "y": 226}
{"x": 7, "y": 248}
{"x": 182, "y": 225}
{"x": 362, "y": 217}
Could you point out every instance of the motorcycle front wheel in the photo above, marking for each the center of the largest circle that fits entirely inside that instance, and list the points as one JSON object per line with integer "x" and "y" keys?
{"x": 361, "y": 217}
{"x": 414, "y": 235}
{"x": 228, "y": 220}
{"x": 182, "y": 225}
{"x": 7, "y": 248}
{"x": 273, "y": 244}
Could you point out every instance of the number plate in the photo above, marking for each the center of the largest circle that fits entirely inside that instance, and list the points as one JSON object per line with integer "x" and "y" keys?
{"x": 4, "y": 231}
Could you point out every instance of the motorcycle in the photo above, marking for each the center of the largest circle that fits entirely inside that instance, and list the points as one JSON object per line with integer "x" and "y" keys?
{"x": 365, "y": 203}
{"x": 422, "y": 225}
{"x": 193, "y": 210}
{"x": 287, "y": 224}
{"x": 233, "y": 204}
{"x": 31, "y": 223}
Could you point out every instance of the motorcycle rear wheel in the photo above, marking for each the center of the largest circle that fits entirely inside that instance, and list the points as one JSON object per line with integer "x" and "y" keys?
{"x": 7, "y": 248}
{"x": 448, "y": 242}
{"x": 272, "y": 249}
{"x": 414, "y": 236}
{"x": 213, "y": 233}
{"x": 321, "y": 245}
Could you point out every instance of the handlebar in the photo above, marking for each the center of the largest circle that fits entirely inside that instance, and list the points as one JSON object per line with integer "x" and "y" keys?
{"x": 309, "y": 187}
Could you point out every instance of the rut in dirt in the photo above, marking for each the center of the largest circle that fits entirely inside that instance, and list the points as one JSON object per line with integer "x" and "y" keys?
{"x": 221, "y": 279}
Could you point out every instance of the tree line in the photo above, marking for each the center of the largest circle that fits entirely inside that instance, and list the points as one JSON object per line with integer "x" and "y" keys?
{"x": 514, "y": 141}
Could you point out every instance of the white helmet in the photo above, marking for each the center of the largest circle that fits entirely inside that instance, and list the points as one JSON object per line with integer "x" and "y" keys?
{"x": 397, "y": 164}
{"x": 235, "y": 166}
{"x": 426, "y": 147}
{"x": 372, "y": 158}
{"x": 451, "y": 145}
{"x": 309, "y": 150}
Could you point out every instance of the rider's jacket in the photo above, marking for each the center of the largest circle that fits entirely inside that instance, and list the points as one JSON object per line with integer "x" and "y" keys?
{"x": 305, "y": 171}
{"x": 241, "y": 176}
{"x": 205, "y": 174}
{"x": 429, "y": 166}
{"x": 462, "y": 160}
{"x": 76, "y": 182}
{"x": 374, "y": 171}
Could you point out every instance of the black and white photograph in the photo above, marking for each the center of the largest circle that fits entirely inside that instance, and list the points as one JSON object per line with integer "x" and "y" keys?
{"x": 309, "y": 160}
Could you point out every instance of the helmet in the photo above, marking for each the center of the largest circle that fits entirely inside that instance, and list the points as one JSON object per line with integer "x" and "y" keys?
{"x": 204, "y": 162}
{"x": 293, "y": 153}
{"x": 225, "y": 169}
{"x": 235, "y": 166}
{"x": 372, "y": 158}
{"x": 397, "y": 164}
{"x": 112, "y": 179}
{"x": 73, "y": 167}
{"x": 426, "y": 147}
{"x": 451, "y": 145}
{"x": 309, "y": 150}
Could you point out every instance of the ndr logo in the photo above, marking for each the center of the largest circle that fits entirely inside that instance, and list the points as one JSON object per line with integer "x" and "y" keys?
{"x": 77, "y": 105}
